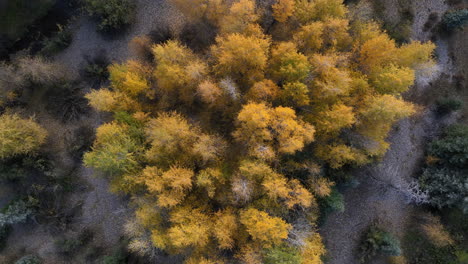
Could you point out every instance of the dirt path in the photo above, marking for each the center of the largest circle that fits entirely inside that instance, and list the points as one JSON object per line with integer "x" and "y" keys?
{"x": 379, "y": 196}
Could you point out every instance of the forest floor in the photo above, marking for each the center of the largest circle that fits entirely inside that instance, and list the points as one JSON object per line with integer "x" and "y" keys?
{"x": 380, "y": 197}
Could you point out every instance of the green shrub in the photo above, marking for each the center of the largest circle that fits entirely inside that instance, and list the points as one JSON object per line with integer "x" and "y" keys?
{"x": 445, "y": 180}
{"x": 447, "y": 105}
{"x": 329, "y": 204}
{"x": 377, "y": 241}
{"x": 281, "y": 255}
{"x": 70, "y": 246}
{"x": 30, "y": 259}
{"x": 16, "y": 212}
{"x": 112, "y": 14}
{"x": 58, "y": 42}
{"x": 455, "y": 19}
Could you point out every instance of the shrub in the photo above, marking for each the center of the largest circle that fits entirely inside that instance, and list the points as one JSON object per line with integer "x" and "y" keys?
{"x": 70, "y": 246}
{"x": 66, "y": 101}
{"x": 30, "y": 259}
{"x": 281, "y": 254}
{"x": 331, "y": 203}
{"x": 96, "y": 71}
{"x": 17, "y": 212}
{"x": 447, "y": 105}
{"x": 112, "y": 14}
{"x": 377, "y": 241}
{"x": 59, "y": 41}
{"x": 19, "y": 136}
{"x": 446, "y": 179}
{"x": 455, "y": 19}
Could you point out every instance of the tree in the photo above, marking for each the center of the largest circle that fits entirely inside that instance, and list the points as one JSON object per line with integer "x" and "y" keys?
{"x": 263, "y": 91}
{"x": 313, "y": 250}
{"x": 339, "y": 116}
{"x": 240, "y": 17}
{"x": 263, "y": 228}
{"x": 295, "y": 94}
{"x": 393, "y": 79}
{"x": 19, "y": 136}
{"x": 189, "y": 227}
{"x": 259, "y": 126}
{"x": 307, "y": 11}
{"x": 283, "y": 9}
{"x": 287, "y": 64}
{"x": 225, "y": 228}
{"x": 170, "y": 186}
{"x": 178, "y": 70}
{"x": 114, "y": 151}
{"x": 241, "y": 57}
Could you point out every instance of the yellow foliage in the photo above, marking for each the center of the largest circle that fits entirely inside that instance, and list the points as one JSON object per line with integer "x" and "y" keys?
{"x": 392, "y": 79}
{"x": 241, "y": 15}
{"x": 190, "y": 227}
{"x": 307, "y": 11}
{"x": 19, "y": 136}
{"x": 225, "y": 228}
{"x": 313, "y": 250}
{"x": 331, "y": 81}
{"x": 332, "y": 121}
{"x": 377, "y": 52}
{"x": 337, "y": 155}
{"x": 309, "y": 37}
{"x": 414, "y": 54}
{"x": 295, "y": 94}
{"x": 209, "y": 179}
{"x": 170, "y": 186}
{"x": 111, "y": 101}
{"x": 209, "y": 92}
{"x": 263, "y": 91}
{"x": 263, "y": 228}
{"x": 287, "y": 64}
{"x": 321, "y": 186}
{"x": 170, "y": 136}
{"x": 129, "y": 78}
{"x": 237, "y": 55}
{"x": 283, "y": 9}
{"x": 379, "y": 115}
{"x": 436, "y": 232}
{"x": 259, "y": 125}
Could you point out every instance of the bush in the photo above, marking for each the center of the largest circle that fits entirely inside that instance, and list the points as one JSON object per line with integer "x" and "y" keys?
{"x": 66, "y": 101}
{"x": 377, "y": 241}
{"x": 112, "y": 14}
{"x": 446, "y": 180}
{"x": 455, "y": 19}
{"x": 281, "y": 254}
{"x": 332, "y": 203}
{"x": 30, "y": 259}
{"x": 19, "y": 136}
{"x": 16, "y": 212}
{"x": 448, "y": 105}
{"x": 70, "y": 246}
{"x": 59, "y": 41}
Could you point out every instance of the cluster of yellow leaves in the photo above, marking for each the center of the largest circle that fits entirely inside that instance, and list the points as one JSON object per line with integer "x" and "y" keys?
{"x": 19, "y": 136}
{"x": 269, "y": 130}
